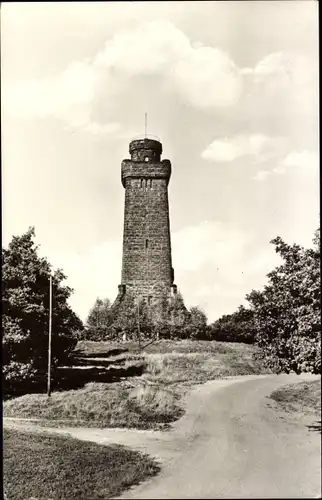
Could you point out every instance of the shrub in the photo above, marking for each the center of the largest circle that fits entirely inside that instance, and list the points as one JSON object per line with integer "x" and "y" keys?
{"x": 236, "y": 327}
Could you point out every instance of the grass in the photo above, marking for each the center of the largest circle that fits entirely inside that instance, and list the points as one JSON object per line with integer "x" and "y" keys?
{"x": 163, "y": 347}
{"x": 149, "y": 401}
{"x": 101, "y": 405}
{"x": 42, "y": 467}
{"x": 302, "y": 397}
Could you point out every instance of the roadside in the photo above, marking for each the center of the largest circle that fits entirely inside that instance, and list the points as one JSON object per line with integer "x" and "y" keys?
{"x": 301, "y": 401}
{"x": 230, "y": 443}
{"x": 48, "y": 467}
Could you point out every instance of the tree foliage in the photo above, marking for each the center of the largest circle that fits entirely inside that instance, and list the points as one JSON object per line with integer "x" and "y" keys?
{"x": 236, "y": 327}
{"x": 25, "y": 312}
{"x": 98, "y": 321}
{"x": 287, "y": 311}
{"x": 133, "y": 321}
{"x": 168, "y": 320}
{"x": 196, "y": 324}
{"x": 99, "y": 315}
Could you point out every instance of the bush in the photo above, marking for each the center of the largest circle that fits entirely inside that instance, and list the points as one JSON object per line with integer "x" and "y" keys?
{"x": 236, "y": 327}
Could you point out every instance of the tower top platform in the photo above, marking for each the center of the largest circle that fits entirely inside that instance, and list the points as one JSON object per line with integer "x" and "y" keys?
{"x": 145, "y": 149}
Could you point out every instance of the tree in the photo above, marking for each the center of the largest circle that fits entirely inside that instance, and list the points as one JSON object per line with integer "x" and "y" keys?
{"x": 177, "y": 313}
{"x": 287, "y": 311}
{"x": 99, "y": 315}
{"x": 132, "y": 316}
{"x": 98, "y": 321}
{"x": 25, "y": 312}
{"x": 197, "y": 324}
{"x": 236, "y": 327}
{"x": 168, "y": 318}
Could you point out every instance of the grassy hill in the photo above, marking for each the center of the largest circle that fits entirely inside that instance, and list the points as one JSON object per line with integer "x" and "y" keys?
{"x": 116, "y": 385}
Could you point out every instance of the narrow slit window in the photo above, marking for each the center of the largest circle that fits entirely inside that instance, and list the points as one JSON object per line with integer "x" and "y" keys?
{"x": 146, "y": 243}
{"x": 149, "y": 300}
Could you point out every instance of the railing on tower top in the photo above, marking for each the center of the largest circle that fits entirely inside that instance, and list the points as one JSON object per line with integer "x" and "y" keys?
{"x": 146, "y": 136}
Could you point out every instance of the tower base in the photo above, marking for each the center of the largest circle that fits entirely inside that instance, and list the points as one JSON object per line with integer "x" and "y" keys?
{"x": 134, "y": 302}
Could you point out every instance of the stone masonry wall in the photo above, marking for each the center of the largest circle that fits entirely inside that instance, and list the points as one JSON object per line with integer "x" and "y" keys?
{"x": 146, "y": 263}
{"x": 147, "y": 271}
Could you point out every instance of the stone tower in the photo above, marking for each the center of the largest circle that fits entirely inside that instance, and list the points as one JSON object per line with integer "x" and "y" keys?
{"x": 147, "y": 271}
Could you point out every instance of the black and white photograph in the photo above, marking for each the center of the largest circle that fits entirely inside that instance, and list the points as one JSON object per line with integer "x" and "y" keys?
{"x": 161, "y": 269}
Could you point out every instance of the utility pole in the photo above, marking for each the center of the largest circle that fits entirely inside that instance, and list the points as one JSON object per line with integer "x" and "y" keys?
{"x": 139, "y": 334}
{"x": 49, "y": 334}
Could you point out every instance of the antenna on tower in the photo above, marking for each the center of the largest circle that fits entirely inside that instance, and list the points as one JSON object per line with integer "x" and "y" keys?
{"x": 145, "y": 124}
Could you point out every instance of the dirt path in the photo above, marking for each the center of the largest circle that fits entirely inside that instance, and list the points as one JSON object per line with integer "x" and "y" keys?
{"x": 229, "y": 444}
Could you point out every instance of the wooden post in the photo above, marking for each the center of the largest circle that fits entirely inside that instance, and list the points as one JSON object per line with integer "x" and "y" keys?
{"x": 139, "y": 334}
{"x": 49, "y": 336}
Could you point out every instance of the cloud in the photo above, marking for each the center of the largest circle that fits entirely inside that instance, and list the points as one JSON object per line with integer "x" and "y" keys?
{"x": 261, "y": 175}
{"x": 149, "y": 49}
{"x": 301, "y": 159}
{"x": 66, "y": 96}
{"x": 285, "y": 67}
{"x": 299, "y": 164}
{"x": 283, "y": 89}
{"x": 203, "y": 76}
{"x": 272, "y": 64}
{"x": 280, "y": 170}
{"x": 207, "y": 77}
{"x": 259, "y": 147}
{"x": 262, "y": 149}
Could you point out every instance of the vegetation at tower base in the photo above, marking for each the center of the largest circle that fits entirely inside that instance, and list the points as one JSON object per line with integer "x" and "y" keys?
{"x": 169, "y": 319}
{"x": 25, "y": 314}
{"x": 130, "y": 319}
{"x": 287, "y": 312}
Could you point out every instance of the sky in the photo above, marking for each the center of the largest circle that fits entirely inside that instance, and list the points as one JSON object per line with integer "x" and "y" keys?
{"x": 231, "y": 90}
